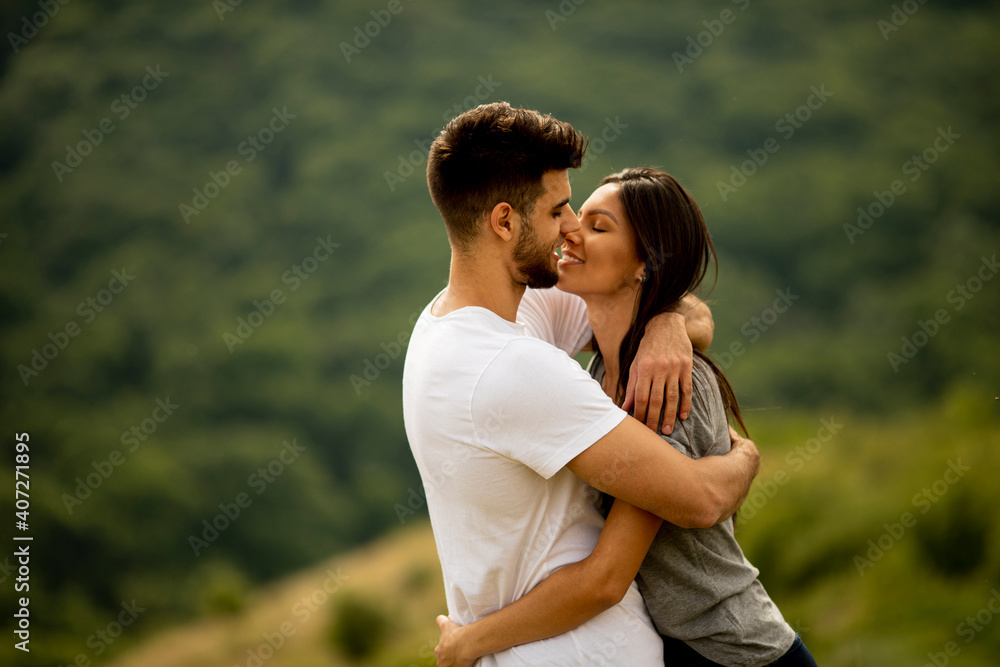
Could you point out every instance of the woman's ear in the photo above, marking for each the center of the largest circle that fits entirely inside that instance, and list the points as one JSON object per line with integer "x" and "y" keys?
{"x": 640, "y": 273}
{"x": 501, "y": 221}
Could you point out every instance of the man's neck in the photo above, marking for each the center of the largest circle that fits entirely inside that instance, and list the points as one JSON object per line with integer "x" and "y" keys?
{"x": 479, "y": 282}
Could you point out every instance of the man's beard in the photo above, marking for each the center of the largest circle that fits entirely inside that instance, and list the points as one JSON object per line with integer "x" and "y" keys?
{"x": 533, "y": 261}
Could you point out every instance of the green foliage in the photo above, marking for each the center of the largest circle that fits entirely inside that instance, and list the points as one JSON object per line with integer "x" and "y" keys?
{"x": 221, "y": 590}
{"x": 359, "y": 627}
{"x": 955, "y": 539}
{"x": 868, "y": 544}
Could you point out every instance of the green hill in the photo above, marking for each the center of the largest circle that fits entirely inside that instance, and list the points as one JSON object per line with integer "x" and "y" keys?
{"x": 875, "y": 555}
{"x": 214, "y": 236}
{"x": 291, "y": 621}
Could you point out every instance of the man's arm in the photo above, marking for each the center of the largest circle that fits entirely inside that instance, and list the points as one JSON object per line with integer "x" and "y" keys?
{"x": 662, "y": 365}
{"x": 568, "y": 598}
{"x": 559, "y": 318}
{"x": 631, "y": 463}
{"x": 698, "y": 321}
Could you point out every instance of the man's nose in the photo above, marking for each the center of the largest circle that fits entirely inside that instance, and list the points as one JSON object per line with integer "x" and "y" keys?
{"x": 570, "y": 223}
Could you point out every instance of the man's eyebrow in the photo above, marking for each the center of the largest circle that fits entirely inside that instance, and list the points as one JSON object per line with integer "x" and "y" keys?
{"x": 595, "y": 211}
{"x": 560, "y": 204}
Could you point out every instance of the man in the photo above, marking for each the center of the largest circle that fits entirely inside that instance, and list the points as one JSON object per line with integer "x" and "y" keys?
{"x": 508, "y": 431}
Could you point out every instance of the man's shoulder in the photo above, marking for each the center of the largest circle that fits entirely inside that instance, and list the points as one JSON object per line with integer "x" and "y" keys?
{"x": 523, "y": 360}
{"x": 469, "y": 328}
{"x": 476, "y": 338}
{"x": 526, "y": 350}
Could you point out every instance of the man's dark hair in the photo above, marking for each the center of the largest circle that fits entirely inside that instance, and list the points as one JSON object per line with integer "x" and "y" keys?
{"x": 492, "y": 154}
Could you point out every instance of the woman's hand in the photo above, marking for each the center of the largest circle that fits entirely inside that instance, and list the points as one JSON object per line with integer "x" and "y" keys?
{"x": 449, "y": 649}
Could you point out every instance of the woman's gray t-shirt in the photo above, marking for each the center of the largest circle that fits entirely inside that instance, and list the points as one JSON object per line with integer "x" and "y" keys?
{"x": 697, "y": 584}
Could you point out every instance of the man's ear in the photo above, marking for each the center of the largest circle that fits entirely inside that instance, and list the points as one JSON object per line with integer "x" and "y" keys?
{"x": 502, "y": 221}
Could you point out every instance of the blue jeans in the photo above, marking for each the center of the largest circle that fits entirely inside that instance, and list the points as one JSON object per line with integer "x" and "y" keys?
{"x": 678, "y": 654}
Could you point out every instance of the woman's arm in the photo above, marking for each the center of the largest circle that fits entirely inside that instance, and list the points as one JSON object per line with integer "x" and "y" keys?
{"x": 568, "y": 598}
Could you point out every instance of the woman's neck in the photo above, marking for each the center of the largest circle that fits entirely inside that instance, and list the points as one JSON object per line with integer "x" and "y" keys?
{"x": 610, "y": 318}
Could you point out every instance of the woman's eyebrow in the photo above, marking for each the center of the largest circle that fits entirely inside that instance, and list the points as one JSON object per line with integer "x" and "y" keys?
{"x": 595, "y": 211}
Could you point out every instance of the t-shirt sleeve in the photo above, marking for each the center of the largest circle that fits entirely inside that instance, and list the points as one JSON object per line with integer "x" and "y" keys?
{"x": 557, "y": 317}
{"x": 535, "y": 405}
{"x": 701, "y": 434}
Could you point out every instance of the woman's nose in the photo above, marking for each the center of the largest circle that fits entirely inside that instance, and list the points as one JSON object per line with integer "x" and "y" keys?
{"x": 570, "y": 223}
{"x": 574, "y": 237}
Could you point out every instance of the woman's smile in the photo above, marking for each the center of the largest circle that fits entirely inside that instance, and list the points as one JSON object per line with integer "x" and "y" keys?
{"x": 568, "y": 258}
{"x": 604, "y": 244}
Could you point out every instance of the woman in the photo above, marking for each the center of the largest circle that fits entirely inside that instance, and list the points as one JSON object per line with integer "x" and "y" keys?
{"x": 641, "y": 247}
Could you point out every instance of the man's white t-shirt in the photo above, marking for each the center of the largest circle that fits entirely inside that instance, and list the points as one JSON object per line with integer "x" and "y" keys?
{"x": 493, "y": 414}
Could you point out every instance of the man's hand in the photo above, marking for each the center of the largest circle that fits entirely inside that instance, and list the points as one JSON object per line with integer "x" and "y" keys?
{"x": 750, "y": 450}
{"x": 661, "y": 369}
{"x": 448, "y": 651}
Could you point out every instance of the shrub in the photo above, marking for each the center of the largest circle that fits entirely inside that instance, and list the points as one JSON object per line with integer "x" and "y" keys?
{"x": 359, "y": 627}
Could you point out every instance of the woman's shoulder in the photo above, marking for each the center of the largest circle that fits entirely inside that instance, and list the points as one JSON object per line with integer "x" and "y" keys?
{"x": 705, "y": 431}
{"x": 705, "y": 386}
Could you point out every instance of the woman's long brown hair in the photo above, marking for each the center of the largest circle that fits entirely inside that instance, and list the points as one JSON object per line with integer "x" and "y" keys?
{"x": 672, "y": 239}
